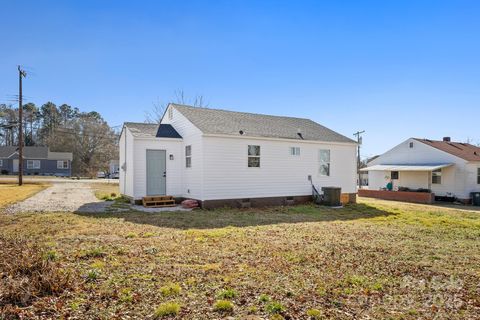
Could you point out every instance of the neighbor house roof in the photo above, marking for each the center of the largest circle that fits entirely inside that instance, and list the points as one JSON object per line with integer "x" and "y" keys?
{"x": 150, "y": 130}
{"x": 28, "y": 152}
{"x": 215, "y": 121}
{"x": 34, "y": 153}
{"x": 465, "y": 151}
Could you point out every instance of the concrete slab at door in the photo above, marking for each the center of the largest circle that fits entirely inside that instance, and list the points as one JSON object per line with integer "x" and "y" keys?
{"x": 15, "y": 165}
{"x": 156, "y": 172}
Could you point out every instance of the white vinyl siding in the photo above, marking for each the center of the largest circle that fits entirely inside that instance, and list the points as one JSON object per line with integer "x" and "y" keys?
{"x": 192, "y": 178}
{"x": 62, "y": 164}
{"x": 226, "y": 176}
{"x": 33, "y": 164}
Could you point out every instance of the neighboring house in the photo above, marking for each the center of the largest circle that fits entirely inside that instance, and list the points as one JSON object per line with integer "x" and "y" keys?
{"x": 36, "y": 161}
{"x": 448, "y": 169}
{"x": 223, "y": 158}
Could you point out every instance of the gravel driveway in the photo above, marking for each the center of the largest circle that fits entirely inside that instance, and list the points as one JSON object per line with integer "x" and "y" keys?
{"x": 65, "y": 197}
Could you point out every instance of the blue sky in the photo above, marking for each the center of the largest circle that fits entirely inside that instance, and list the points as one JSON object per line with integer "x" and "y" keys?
{"x": 393, "y": 68}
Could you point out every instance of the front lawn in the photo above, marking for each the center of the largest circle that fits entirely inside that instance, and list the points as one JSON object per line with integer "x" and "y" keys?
{"x": 376, "y": 259}
{"x": 11, "y": 192}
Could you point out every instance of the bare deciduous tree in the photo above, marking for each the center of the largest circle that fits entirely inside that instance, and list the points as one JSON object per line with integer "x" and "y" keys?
{"x": 156, "y": 113}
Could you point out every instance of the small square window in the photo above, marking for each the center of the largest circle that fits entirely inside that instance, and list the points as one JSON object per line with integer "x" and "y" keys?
{"x": 437, "y": 176}
{"x": 394, "y": 175}
{"x": 33, "y": 164}
{"x": 411, "y": 145}
{"x": 294, "y": 151}
{"x": 62, "y": 164}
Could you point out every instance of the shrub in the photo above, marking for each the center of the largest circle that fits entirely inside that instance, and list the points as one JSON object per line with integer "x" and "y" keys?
{"x": 223, "y": 306}
{"x": 92, "y": 275}
{"x": 227, "y": 294}
{"x": 277, "y": 317}
{"x": 314, "y": 314}
{"x": 126, "y": 295}
{"x": 93, "y": 253}
{"x": 131, "y": 235}
{"x": 26, "y": 274}
{"x": 171, "y": 289}
{"x": 263, "y": 298}
{"x": 167, "y": 309}
{"x": 113, "y": 195}
{"x": 275, "y": 307}
{"x": 50, "y": 255}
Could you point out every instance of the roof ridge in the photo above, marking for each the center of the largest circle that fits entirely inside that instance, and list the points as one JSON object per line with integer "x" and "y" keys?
{"x": 239, "y": 112}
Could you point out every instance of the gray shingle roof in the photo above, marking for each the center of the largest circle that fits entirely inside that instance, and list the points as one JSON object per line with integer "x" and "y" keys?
{"x": 215, "y": 121}
{"x": 28, "y": 152}
{"x": 142, "y": 129}
{"x": 152, "y": 130}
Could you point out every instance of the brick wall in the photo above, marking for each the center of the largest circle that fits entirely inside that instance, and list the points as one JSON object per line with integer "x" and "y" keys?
{"x": 416, "y": 197}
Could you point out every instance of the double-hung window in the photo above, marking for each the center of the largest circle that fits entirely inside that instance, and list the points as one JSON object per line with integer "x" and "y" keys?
{"x": 324, "y": 162}
{"x": 188, "y": 156}
{"x": 62, "y": 164}
{"x": 1, "y": 163}
{"x": 478, "y": 175}
{"x": 294, "y": 151}
{"x": 437, "y": 176}
{"x": 33, "y": 164}
{"x": 253, "y": 156}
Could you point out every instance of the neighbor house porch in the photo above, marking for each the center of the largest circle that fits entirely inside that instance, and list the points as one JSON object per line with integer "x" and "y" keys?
{"x": 404, "y": 182}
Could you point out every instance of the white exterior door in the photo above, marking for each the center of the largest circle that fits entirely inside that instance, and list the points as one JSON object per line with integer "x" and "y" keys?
{"x": 156, "y": 172}
{"x": 15, "y": 165}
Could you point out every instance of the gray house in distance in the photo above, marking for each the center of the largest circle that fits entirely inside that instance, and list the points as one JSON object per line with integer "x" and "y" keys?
{"x": 36, "y": 161}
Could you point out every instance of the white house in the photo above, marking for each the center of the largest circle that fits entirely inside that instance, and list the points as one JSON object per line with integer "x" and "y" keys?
{"x": 448, "y": 169}
{"x": 223, "y": 158}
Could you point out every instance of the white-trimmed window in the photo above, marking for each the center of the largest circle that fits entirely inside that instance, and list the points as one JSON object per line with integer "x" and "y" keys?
{"x": 294, "y": 151}
{"x": 188, "y": 156}
{"x": 253, "y": 156}
{"x": 437, "y": 176}
{"x": 324, "y": 162}
{"x": 62, "y": 164}
{"x": 1, "y": 163}
{"x": 33, "y": 164}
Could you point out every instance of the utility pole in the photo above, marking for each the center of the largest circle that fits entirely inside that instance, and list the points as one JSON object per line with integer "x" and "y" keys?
{"x": 21, "y": 74}
{"x": 358, "y": 134}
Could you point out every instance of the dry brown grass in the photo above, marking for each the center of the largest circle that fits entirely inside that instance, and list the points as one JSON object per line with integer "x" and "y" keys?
{"x": 106, "y": 191}
{"x": 27, "y": 273}
{"x": 11, "y": 193}
{"x": 375, "y": 260}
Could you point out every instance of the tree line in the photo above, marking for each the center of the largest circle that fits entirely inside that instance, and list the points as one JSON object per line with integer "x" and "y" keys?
{"x": 63, "y": 129}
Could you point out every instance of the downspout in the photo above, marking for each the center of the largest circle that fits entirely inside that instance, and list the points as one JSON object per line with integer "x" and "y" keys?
{"x": 124, "y": 165}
